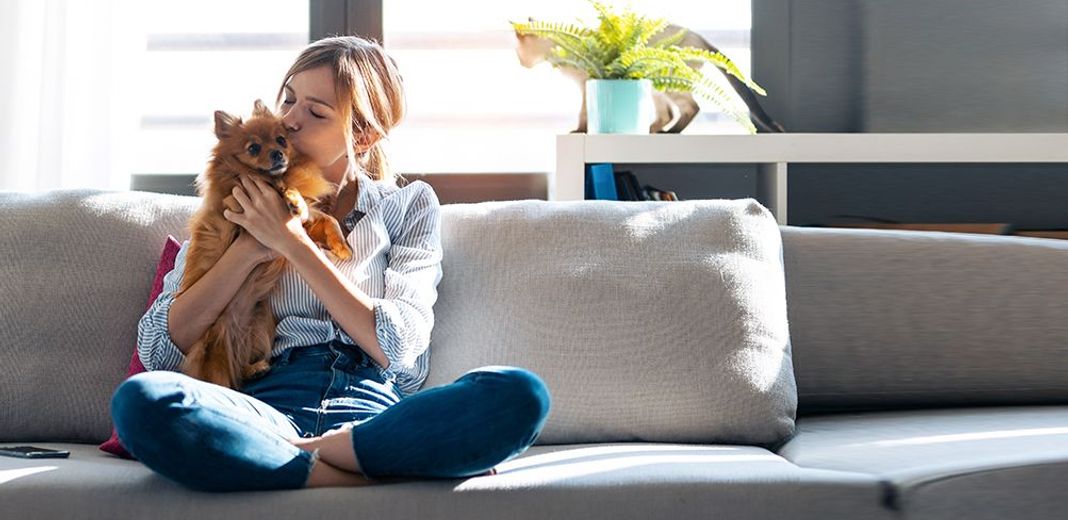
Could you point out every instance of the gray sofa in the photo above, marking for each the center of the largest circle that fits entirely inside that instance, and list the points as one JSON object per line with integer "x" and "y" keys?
{"x": 924, "y": 374}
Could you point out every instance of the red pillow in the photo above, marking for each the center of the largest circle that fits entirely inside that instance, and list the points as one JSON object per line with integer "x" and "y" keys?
{"x": 166, "y": 264}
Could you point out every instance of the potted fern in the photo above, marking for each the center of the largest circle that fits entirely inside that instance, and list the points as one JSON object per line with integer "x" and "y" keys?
{"x": 623, "y": 67}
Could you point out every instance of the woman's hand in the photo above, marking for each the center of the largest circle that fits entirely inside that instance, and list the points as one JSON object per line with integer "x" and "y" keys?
{"x": 250, "y": 248}
{"x": 265, "y": 216}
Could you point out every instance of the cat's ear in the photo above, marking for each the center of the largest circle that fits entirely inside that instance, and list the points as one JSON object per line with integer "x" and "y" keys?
{"x": 225, "y": 124}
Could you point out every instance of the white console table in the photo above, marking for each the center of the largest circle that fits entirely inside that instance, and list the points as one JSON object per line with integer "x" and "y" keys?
{"x": 772, "y": 153}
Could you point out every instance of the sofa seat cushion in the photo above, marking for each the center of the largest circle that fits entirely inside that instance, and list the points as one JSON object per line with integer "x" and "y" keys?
{"x": 979, "y": 462}
{"x": 619, "y": 481}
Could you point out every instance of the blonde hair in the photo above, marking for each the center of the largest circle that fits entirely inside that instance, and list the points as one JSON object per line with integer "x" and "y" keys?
{"x": 369, "y": 89}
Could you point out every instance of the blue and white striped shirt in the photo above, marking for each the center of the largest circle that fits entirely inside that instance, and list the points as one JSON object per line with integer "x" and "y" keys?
{"x": 395, "y": 236}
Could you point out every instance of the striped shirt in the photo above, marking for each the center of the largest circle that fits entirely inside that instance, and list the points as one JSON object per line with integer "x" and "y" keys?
{"x": 395, "y": 236}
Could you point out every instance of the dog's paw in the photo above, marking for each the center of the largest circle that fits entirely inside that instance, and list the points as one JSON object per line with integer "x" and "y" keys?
{"x": 297, "y": 205}
{"x": 256, "y": 369}
{"x": 342, "y": 251}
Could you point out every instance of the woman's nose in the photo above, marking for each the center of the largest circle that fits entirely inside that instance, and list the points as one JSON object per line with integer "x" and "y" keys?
{"x": 289, "y": 121}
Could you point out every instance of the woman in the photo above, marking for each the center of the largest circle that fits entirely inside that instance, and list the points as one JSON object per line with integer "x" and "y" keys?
{"x": 339, "y": 405}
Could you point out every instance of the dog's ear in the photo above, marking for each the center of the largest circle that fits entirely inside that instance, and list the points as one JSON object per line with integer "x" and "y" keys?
{"x": 258, "y": 108}
{"x": 225, "y": 124}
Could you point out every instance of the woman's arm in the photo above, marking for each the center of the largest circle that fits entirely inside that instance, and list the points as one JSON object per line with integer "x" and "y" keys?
{"x": 193, "y": 311}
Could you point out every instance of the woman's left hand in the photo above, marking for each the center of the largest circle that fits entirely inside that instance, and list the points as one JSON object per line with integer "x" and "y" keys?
{"x": 265, "y": 214}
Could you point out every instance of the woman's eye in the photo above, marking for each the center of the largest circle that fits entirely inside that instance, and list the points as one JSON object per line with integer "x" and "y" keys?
{"x": 287, "y": 102}
{"x": 316, "y": 115}
{"x": 254, "y": 149}
{"x": 281, "y": 141}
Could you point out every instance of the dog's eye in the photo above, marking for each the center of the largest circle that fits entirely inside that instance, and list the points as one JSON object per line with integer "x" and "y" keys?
{"x": 281, "y": 141}
{"x": 253, "y": 149}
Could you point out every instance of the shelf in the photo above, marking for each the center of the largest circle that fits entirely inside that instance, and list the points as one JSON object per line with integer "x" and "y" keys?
{"x": 772, "y": 153}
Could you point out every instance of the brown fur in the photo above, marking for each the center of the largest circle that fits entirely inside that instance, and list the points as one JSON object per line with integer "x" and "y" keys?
{"x": 238, "y": 345}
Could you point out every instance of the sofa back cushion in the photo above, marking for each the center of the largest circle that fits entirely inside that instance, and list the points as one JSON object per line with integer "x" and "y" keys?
{"x": 77, "y": 267}
{"x": 648, "y": 321}
{"x": 883, "y": 319}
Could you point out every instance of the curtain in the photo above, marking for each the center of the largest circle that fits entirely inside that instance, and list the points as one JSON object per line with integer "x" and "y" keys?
{"x": 69, "y": 105}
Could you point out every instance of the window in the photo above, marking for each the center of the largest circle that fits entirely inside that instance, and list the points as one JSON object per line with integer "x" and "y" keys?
{"x": 202, "y": 56}
{"x": 473, "y": 108}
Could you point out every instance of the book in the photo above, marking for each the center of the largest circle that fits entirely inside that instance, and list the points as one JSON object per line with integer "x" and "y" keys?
{"x": 601, "y": 182}
{"x": 635, "y": 187}
{"x": 627, "y": 186}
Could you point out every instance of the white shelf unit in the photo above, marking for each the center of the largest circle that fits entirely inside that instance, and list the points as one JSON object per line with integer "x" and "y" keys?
{"x": 773, "y": 153}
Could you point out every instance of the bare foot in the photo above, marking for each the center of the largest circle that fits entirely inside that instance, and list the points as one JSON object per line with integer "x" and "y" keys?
{"x": 325, "y": 475}
{"x": 335, "y": 449}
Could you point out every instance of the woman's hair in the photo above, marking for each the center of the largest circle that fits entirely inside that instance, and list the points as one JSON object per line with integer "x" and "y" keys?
{"x": 369, "y": 90}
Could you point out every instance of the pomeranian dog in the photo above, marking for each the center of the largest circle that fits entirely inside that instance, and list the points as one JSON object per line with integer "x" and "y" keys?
{"x": 238, "y": 345}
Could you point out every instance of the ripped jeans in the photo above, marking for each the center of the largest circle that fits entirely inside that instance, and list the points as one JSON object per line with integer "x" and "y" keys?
{"x": 212, "y": 438}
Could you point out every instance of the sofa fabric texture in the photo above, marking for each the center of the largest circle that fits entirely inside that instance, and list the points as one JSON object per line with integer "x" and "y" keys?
{"x": 922, "y": 376}
{"x": 657, "y": 321}
{"x": 888, "y": 319}
{"x": 77, "y": 269}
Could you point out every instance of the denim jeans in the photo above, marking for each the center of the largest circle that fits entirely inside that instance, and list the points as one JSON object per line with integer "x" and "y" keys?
{"x": 212, "y": 438}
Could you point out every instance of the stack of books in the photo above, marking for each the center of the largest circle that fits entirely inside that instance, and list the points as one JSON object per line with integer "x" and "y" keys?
{"x": 604, "y": 183}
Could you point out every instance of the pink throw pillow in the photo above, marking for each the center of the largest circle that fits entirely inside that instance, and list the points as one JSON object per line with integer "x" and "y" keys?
{"x": 166, "y": 264}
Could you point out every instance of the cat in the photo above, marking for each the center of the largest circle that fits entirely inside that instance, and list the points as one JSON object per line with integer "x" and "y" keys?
{"x": 674, "y": 110}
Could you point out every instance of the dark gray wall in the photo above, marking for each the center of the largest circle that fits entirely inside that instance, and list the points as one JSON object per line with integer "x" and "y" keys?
{"x": 906, "y": 66}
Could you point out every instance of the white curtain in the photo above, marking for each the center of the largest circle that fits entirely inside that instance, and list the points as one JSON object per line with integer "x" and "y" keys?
{"x": 69, "y": 104}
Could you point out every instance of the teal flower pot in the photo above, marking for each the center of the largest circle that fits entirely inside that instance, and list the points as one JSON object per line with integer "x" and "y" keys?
{"x": 619, "y": 106}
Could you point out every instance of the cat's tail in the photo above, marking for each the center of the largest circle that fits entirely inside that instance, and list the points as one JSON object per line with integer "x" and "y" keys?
{"x": 757, "y": 115}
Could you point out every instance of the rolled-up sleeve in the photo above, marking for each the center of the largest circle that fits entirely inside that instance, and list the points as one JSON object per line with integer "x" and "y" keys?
{"x": 404, "y": 316}
{"x": 154, "y": 344}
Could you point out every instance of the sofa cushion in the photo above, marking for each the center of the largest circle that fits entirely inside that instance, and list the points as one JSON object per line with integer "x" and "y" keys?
{"x": 883, "y": 319}
{"x": 980, "y": 462}
{"x": 77, "y": 268}
{"x": 654, "y": 321}
{"x": 618, "y": 481}
{"x": 165, "y": 265}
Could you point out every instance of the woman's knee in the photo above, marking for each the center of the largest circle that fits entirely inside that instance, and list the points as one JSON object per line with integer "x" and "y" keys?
{"x": 142, "y": 397}
{"x": 516, "y": 385}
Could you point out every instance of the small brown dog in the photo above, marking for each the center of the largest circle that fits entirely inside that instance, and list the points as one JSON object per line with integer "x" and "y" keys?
{"x": 238, "y": 345}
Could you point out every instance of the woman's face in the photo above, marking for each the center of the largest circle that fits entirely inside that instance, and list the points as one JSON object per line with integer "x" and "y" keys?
{"x": 310, "y": 113}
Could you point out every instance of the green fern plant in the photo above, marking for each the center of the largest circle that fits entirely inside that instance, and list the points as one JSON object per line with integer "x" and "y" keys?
{"x": 619, "y": 48}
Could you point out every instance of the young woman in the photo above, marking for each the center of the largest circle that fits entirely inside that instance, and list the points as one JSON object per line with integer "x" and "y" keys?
{"x": 340, "y": 405}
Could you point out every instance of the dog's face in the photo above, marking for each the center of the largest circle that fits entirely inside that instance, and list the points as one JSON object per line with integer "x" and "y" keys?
{"x": 260, "y": 143}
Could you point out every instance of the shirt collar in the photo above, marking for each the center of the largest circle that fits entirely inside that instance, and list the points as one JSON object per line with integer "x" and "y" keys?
{"x": 368, "y": 192}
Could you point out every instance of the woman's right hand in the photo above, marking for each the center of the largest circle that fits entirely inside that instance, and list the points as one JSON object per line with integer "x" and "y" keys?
{"x": 246, "y": 245}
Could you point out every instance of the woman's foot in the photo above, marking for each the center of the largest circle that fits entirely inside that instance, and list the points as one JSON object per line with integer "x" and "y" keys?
{"x": 325, "y": 475}
{"x": 335, "y": 448}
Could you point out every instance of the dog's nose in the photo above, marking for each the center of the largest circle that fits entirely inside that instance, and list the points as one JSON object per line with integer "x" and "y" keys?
{"x": 276, "y": 156}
